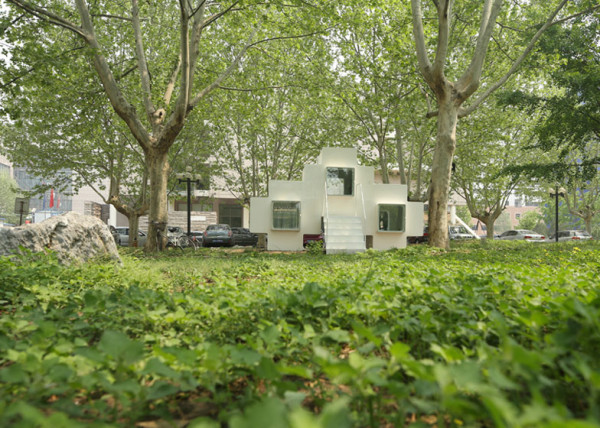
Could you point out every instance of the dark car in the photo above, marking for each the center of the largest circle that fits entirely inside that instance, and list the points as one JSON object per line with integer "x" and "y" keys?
{"x": 243, "y": 237}
{"x": 309, "y": 239}
{"x": 218, "y": 235}
{"x": 419, "y": 239}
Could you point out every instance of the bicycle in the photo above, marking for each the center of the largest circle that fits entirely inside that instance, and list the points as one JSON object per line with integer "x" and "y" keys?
{"x": 170, "y": 240}
{"x": 184, "y": 241}
{"x": 163, "y": 240}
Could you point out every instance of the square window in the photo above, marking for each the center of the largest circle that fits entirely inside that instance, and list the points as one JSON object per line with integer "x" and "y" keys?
{"x": 286, "y": 215}
{"x": 340, "y": 181}
{"x": 392, "y": 217}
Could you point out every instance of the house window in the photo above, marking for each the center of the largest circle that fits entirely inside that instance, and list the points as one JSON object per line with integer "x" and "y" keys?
{"x": 286, "y": 215}
{"x": 231, "y": 214}
{"x": 517, "y": 216}
{"x": 340, "y": 181}
{"x": 392, "y": 217}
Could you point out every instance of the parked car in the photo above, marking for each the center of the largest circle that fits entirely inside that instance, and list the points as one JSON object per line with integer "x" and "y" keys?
{"x": 196, "y": 236}
{"x": 310, "y": 238}
{"x": 219, "y": 235}
{"x": 123, "y": 237}
{"x": 521, "y": 234}
{"x": 419, "y": 239}
{"x": 459, "y": 232}
{"x": 571, "y": 235}
{"x": 243, "y": 237}
{"x": 114, "y": 234}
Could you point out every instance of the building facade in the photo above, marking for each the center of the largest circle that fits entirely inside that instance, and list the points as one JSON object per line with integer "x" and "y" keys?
{"x": 340, "y": 199}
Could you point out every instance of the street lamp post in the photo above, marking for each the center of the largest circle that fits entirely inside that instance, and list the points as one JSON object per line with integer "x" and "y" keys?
{"x": 556, "y": 192}
{"x": 189, "y": 179}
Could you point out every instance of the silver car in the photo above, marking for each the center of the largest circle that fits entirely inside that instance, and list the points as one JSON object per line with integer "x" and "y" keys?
{"x": 572, "y": 235}
{"x": 123, "y": 236}
{"x": 522, "y": 234}
{"x": 459, "y": 232}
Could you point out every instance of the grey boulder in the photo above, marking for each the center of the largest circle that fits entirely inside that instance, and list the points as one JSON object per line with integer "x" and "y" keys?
{"x": 73, "y": 237}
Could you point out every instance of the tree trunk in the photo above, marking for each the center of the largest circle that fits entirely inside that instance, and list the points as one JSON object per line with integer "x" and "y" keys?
{"x": 490, "y": 227}
{"x": 385, "y": 178}
{"x": 440, "y": 175}
{"x": 588, "y": 223}
{"x": 134, "y": 223}
{"x": 158, "y": 171}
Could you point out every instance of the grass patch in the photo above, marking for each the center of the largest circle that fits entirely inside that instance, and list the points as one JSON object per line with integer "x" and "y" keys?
{"x": 501, "y": 334}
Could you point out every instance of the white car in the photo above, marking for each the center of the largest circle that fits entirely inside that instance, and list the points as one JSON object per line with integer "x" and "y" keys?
{"x": 571, "y": 235}
{"x": 522, "y": 234}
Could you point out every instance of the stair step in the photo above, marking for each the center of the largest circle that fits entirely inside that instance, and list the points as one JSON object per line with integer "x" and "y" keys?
{"x": 344, "y": 251}
{"x": 344, "y": 231}
{"x": 344, "y": 234}
{"x": 345, "y": 238}
{"x": 344, "y": 222}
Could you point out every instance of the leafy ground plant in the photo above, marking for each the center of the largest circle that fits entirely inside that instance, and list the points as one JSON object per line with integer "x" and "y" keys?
{"x": 503, "y": 335}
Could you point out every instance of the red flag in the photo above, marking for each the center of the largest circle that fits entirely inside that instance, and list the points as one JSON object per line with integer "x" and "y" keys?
{"x": 51, "y": 204}
{"x": 57, "y": 201}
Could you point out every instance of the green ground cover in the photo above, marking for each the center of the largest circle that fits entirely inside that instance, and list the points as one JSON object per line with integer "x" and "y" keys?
{"x": 502, "y": 334}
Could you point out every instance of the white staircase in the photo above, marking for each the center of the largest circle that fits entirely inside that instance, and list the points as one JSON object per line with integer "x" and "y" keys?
{"x": 344, "y": 234}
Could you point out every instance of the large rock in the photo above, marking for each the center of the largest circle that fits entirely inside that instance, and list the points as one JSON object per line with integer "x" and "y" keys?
{"x": 74, "y": 237}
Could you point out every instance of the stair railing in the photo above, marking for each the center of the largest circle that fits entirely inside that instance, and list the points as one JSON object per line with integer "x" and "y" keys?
{"x": 364, "y": 213}
{"x": 326, "y": 216}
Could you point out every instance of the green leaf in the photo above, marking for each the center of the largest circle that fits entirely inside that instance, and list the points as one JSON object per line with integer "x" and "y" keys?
{"x": 160, "y": 389}
{"x": 157, "y": 367}
{"x": 203, "y": 423}
{"x": 269, "y": 413}
{"x": 120, "y": 347}
{"x": 295, "y": 371}
{"x": 14, "y": 373}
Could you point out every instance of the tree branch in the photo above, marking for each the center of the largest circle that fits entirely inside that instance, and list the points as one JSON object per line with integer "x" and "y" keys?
{"x": 469, "y": 81}
{"x": 142, "y": 63}
{"x": 180, "y": 111}
{"x": 466, "y": 111}
{"x": 123, "y": 18}
{"x": 50, "y": 17}
{"x": 419, "y": 34}
{"x": 213, "y": 18}
{"x": 444, "y": 17}
{"x": 171, "y": 83}
{"x": 215, "y": 84}
{"x": 125, "y": 110}
{"x": 299, "y": 36}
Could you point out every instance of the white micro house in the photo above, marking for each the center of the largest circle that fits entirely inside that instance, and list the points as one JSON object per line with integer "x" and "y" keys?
{"x": 339, "y": 199}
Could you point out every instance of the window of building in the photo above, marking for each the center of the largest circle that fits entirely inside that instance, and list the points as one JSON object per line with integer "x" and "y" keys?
{"x": 517, "y": 216}
{"x": 392, "y": 217}
{"x": 340, "y": 181}
{"x": 286, "y": 215}
{"x": 231, "y": 214}
{"x": 181, "y": 205}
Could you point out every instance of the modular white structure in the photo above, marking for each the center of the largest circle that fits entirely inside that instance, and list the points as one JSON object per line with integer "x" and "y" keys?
{"x": 338, "y": 198}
